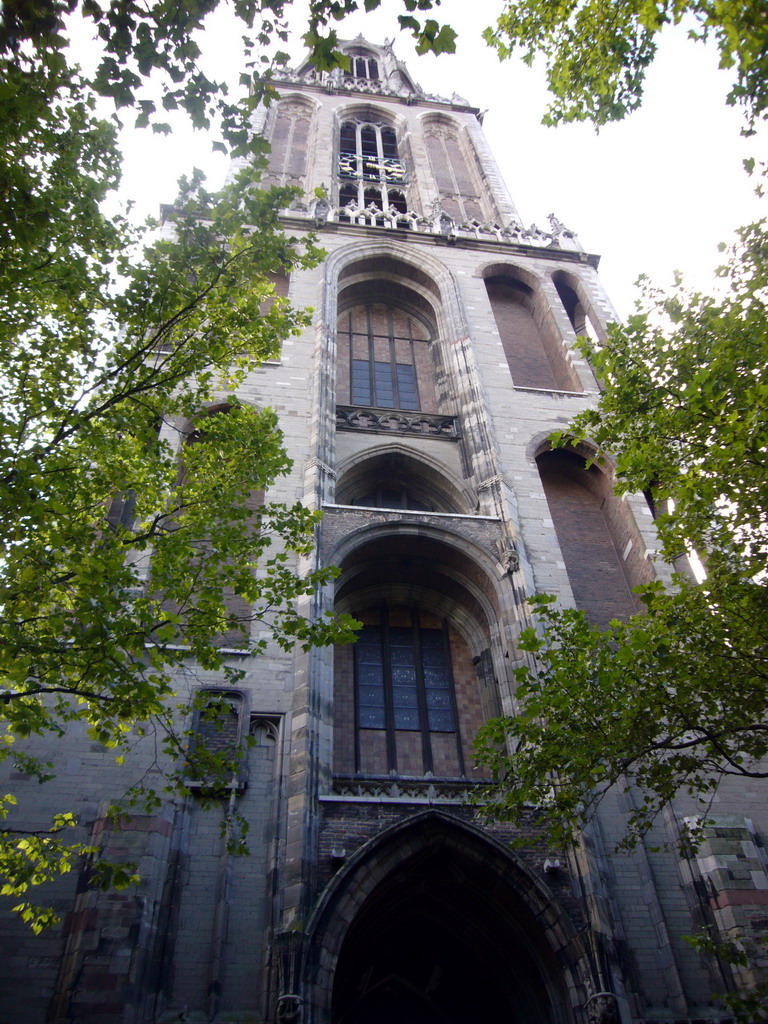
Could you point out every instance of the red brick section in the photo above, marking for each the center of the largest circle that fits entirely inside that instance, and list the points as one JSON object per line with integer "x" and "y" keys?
{"x": 741, "y": 897}
{"x": 344, "y": 709}
{"x": 467, "y": 688}
{"x": 592, "y": 531}
{"x": 535, "y": 360}
{"x": 102, "y": 931}
{"x": 348, "y": 826}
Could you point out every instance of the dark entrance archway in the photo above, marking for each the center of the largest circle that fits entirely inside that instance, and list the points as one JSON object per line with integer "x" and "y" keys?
{"x": 446, "y": 927}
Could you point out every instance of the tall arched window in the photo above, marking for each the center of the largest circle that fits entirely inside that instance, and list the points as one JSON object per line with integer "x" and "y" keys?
{"x": 384, "y": 359}
{"x": 456, "y": 180}
{"x": 536, "y": 357}
{"x": 411, "y": 693}
{"x": 370, "y": 170}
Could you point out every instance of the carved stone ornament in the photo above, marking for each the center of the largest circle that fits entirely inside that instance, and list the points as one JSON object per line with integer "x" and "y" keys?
{"x": 289, "y": 1009}
{"x": 602, "y": 1008}
{"x": 321, "y": 211}
{"x": 510, "y": 559}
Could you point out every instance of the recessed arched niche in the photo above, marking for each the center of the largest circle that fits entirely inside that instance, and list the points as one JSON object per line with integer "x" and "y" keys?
{"x": 599, "y": 541}
{"x": 386, "y": 323}
{"x": 433, "y": 922}
{"x": 398, "y": 480}
{"x": 535, "y": 352}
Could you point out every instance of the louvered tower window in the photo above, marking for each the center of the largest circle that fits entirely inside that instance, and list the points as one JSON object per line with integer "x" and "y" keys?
{"x": 370, "y": 170}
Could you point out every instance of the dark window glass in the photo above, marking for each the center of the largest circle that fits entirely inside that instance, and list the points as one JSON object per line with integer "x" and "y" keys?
{"x": 409, "y": 650}
{"x": 384, "y": 392}
{"x": 372, "y": 197}
{"x": 370, "y": 679}
{"x": 347, "y": 194}
{"x": 397, "y": 202}
{"x": 406, "y": 386}
{"x": 361, "y": 382}
{"x": 368, "y": 145}
{"x": 389, "y": 143}
{"x": 348, "y": 139}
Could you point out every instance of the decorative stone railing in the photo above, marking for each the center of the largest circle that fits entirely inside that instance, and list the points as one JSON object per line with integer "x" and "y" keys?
{"x": 321, "y": 212}
{"x": 425, "y": 790}
{"x": 337, "y": 81}
{"x": 392, "y": 421}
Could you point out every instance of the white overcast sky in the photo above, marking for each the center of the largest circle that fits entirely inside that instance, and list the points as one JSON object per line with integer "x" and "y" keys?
{"x": 652, "y": 194}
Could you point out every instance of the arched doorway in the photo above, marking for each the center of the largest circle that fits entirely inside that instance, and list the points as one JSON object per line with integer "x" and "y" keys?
{"x": 436, "y": 923}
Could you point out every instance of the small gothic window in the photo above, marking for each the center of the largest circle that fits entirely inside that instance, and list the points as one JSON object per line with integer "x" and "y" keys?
{"x": 363, "y": 66}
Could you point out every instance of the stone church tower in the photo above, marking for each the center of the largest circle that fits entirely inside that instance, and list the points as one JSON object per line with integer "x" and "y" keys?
{"x": 416, "y": 411}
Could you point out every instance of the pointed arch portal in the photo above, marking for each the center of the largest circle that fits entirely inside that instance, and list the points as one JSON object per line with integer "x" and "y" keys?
{"x": 444, "y": 927}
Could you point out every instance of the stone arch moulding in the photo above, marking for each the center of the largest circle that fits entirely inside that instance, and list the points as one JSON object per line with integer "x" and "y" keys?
{"x": 576, "y": 284}
{"x": 450, "y": 315}
{"x": 462, "y": 496}
{"x": 369, "y": 111}
{"x": 469, "y": 562}
{"x": 491, "y": 570}
{"x": 508, "y": 268}
{"x": 519, "y": 911}
{"x": 540, "y": 443}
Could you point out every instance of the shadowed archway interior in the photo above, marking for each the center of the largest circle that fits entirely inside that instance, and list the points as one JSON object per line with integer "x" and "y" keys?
{"x": 439, "y": 941}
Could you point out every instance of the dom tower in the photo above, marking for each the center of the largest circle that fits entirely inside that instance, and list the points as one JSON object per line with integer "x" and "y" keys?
{"x": 416, "y": 411}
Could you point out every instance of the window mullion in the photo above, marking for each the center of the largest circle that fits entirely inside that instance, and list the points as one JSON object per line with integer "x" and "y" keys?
{"x": 413, "y": 363}
{"x": 389, "y": 712}
{"x": 421, "y": 693}
{"x": 358, "y": 150}
{"x": 393, "y": 360}
{"x": 371, "y": 358}
{"x": 452, "y": 691}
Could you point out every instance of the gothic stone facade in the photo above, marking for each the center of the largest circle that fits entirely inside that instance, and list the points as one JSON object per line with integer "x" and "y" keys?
{"x": 416, "y": 410}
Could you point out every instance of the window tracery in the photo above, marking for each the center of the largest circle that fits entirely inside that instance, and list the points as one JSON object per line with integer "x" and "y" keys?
{"x": 370, "y": 170}
{"x": 362, "y": 65}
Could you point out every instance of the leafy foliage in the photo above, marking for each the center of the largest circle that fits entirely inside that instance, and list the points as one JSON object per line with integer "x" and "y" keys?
{"x": 597, "y": 54}
{"x": 676, "y": 698}
{"x": 125, "y": 549}
{"x": 149, "y": 53}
